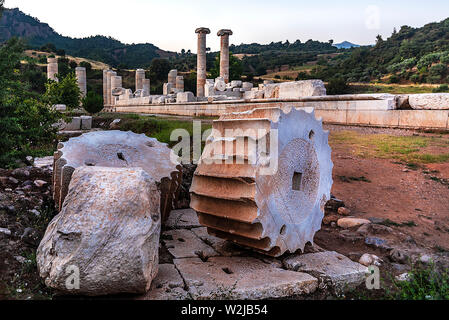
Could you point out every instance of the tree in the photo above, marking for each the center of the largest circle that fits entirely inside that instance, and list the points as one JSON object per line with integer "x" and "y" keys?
{"x": 235, "y": 68}
{"x": 26, "y": 123}
{"x": 159, "y": 69}
{"x": 66, "y": 91}
{"x": 92, "y": 102}
{"x": 1, "y": 7}
{"x": 86, "y": 65}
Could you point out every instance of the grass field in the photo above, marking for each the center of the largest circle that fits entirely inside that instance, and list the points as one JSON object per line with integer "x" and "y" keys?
{"x": 408, "y": 149}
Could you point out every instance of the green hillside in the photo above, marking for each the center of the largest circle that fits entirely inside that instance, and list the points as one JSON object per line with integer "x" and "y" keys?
{"x": 15, "y": 23}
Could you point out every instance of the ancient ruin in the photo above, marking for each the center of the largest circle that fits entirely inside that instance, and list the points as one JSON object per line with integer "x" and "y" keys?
{"x": 117, "y": 149}
{"x": 80, "y": 73}
{"x": 273, "y": 199}
{"x": 52, "y": 69}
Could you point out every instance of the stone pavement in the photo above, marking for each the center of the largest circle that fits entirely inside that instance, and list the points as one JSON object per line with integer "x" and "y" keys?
{"x": 206, "y": 267}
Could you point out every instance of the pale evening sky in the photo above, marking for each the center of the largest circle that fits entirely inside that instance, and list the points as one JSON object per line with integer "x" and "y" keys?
{"x": 170, "y": 24}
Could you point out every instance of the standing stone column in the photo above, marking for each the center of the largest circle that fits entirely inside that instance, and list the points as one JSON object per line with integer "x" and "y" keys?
{"x": 105, "y": 87}
{"x": 146, "y": 87}
{"x": 172, "y": 77}
{"x": 52, "y": 69}
{"x": 140, "y": 75}
{"x": 81, "y": 79}
{"x": 109, "y": 86}
{"x": 180, "y": 83}
{"x": 116, "y": 83}
{"x": 201, "y": 61}
{"x": 224, "y": 53}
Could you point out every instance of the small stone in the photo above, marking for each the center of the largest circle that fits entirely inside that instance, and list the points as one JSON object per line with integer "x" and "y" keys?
{"x": 327, "y": 220}
{"x": 13, "y": 180}
{"x": 5, "y": 231}
{"x": 333, "y": 204}
{"x": 20, "y": 172}
{"x": 399, "y": 256}
{"x": 351, "y": 222}
{"x": 377, "y": 243}
{"x": 426, "y": 259}
{"x": 35, "y": 212}
{"x": 403, "y": 277}
{"x": 348, "y": 235}
{"x": 405, "y": 170}
{"x": 376, "y": 220}
{"x": 29, "y": 159}
{"x": 27, "y": 183}
{"x": 370, "y": 259}
{"x": 344, "y": 211}
{"x": 115, "y": 125}
{"x": 20, "y": 259}
{"x": 40, "y": 183}
{"x": 374, "y": 229}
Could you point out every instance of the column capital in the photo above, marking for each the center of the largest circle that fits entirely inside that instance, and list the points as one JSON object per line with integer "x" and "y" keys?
{"x": 202, "y": 30}
{"x": 223, "y": 32}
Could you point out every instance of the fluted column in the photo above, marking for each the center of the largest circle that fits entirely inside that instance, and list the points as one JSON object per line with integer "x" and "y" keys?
{"x": 105, "y": 87}
{"x": 140, "y": 75}
{"x": 201, "y": 61}
{"x": 81, "y": 79}
{"x": 224, "y": 53}
{"x": 52, "y": 69}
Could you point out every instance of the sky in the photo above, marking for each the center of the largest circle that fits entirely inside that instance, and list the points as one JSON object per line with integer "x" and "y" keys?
{"x": 170, "y": 24}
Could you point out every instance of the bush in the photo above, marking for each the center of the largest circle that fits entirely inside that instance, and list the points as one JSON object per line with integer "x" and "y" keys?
{"x": 92, "y": 102}
{"x": 64, "y": 92}
{"x": 86, "y": 65}
{"x": 337, "y": 86}
{"x": 438, "y": 70}
{"x": 26, "y": 123}
{"x": 442, "y": 88}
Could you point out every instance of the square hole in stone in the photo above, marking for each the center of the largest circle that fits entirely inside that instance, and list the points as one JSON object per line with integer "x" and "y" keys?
{"x": 296, "y": 181}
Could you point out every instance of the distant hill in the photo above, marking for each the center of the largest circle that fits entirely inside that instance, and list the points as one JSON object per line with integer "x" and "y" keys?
{"x": 409, "y": 55}
{"x": 346, "y": 45}
{"x": 15, "y": 23}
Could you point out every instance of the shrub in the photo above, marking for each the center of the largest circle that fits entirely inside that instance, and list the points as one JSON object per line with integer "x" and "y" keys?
{"x": 438, "y": 70}
{"x": 337, "y": 86}
{"x": 92, "y": 102}
{"x": 442, "y": 88}
{"x": 26, "y": 123}
{"x": 86, "y": 65}
{"x": 64, "y": 92}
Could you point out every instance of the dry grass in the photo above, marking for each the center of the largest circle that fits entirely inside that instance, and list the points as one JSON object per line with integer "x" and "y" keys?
{"x": 95, "y": 64}
{"x": 409, "y": 149}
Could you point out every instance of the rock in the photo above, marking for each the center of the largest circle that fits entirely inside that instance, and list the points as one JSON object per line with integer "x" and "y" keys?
{"x": 182, "y": 219}
{"x": 220, "y": 85}
{"x": 334, "y": 204}
{"x": 115, "y": 125}
{"x": 35, "y": 212}
{"x": 348, "y": 235}
{"x": 168, "y": 285}
{"x": 426, "y": 259}
{"x": 5, "y": 231}
{"x": 29, "y": 160}
{"x": 370, "y": 259}
{"x": 403, "y": 277}
{"x": 44, "y": 163}
{"x": 327, "y": 220}
{"x": 20, "y": 259}
{"x": 372, "y": 228}
{"x": 240, "y": 278}
{"x": 20, "y": 173}
{"x": 377, "y": 243}
{"x": 118, "y": 149}
{"x": 30, "y": 236}
{"x": 399, "y": 256}
{"x": 108, "y": 228}
{"x": 351, "y": 222}
{"x": 298, "y": 89}
{"x": 432, "y": 101}
{"x": 183, "y": 97}
{"x": 40, "y": 183}
{"x": 13, "y": 180}
{"x": 86, "y": 122}
{"x": 185, "y": 244}
{"x": 332, "y": 268}
{"x": 344, "y": 211}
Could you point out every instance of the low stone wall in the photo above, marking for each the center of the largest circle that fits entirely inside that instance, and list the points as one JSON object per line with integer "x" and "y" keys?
{"x": 380, "y": 110}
